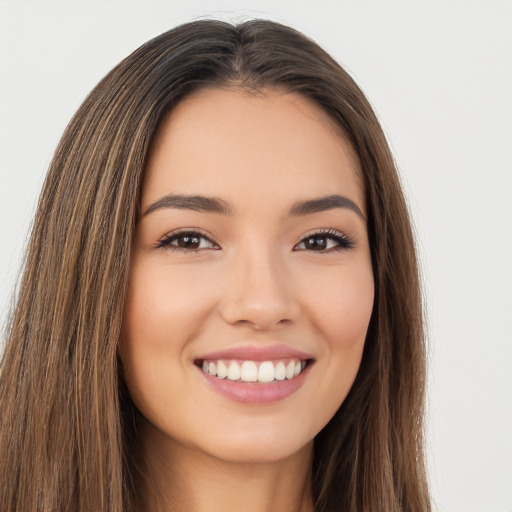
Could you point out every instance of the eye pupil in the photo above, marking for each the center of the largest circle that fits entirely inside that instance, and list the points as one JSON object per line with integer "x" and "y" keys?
{"x": 316, "y": 242}
{"x": 189, "y": 242}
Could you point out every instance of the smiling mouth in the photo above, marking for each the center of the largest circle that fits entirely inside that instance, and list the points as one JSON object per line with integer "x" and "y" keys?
{"x": 254, "y": 371}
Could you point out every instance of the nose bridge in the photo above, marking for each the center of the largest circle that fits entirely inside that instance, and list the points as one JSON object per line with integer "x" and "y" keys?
{"x": 260, "y": 291}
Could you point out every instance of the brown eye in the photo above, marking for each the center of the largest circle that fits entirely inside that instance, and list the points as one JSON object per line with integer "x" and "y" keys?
{"x": 325, "y": 242}
{"x": 186, "y": 241}
{"x": 315, "y": 243}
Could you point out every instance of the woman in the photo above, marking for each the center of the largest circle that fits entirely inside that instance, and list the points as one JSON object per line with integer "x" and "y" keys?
{"x": 220, "y": 306}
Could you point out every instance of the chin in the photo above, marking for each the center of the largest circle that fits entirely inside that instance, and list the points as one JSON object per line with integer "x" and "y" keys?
{"x": 261, "y": 452}
{"x": 263, "y": 445}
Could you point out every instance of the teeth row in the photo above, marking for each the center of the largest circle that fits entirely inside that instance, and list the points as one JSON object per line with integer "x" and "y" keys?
{"x": 248, "y": 371}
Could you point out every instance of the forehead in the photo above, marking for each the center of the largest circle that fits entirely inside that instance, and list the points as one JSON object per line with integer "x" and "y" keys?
{"x": 231, "y": 142}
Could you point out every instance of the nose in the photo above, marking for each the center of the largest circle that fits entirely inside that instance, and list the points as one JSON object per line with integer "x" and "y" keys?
{"x": 259, "y": 292}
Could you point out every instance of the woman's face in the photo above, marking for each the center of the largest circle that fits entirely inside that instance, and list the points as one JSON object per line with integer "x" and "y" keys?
{"x": 251, "y": 285}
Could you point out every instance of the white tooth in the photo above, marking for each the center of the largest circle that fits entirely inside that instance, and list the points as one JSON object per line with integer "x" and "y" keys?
{"x": 302, "y": 365}
{"x": 222, "y": 370}
{"x": 205, "y": 366}
{"x": 297, "y": 368}
{"x": 233, "y": 371}
{"x": 266, "y": 372}
{"x": 290, "y": 370}
{"x": 212, "y": 369}
{"x": 249, "y": 371}
{"x": 280, "y": 372}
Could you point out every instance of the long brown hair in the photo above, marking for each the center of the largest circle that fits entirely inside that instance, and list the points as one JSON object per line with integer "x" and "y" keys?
{"x": 66, "y": 421}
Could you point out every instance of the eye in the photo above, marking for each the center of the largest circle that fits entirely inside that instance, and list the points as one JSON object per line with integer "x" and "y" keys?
{"x": 192, "y": 241}
{"x": 325, "y": 241}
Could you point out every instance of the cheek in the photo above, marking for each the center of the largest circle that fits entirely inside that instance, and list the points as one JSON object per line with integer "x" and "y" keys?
{"x": 164, "y": 308}
{"x": 343, "y": 306}
{"x": 164, "y": 305}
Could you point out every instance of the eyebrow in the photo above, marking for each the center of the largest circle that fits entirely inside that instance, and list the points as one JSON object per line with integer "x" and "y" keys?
{"x": 196, "y": 203}
{"x": 325, "y": 203}
{"x": 219, "y": 206}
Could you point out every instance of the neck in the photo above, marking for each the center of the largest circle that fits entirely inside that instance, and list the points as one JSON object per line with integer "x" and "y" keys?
{"x": 180, "y": 478}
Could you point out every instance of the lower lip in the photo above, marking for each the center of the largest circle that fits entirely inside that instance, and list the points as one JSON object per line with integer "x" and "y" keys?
{"x": 256, "y": 392}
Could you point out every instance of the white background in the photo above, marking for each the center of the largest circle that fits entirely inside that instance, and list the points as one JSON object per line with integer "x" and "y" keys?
{"x": 439, "y": 74}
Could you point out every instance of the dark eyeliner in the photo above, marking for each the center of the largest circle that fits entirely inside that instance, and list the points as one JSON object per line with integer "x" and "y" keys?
{"x": 343, "y": 241}
{"x": 166, "y": 241}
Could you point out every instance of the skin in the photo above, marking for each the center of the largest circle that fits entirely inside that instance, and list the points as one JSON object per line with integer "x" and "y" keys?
{"x": 256, "y": 283}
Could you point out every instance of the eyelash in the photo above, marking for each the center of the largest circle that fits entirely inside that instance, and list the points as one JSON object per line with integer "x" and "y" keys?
{"x": 343, "y": 241}
{"x": 166, "y": 240}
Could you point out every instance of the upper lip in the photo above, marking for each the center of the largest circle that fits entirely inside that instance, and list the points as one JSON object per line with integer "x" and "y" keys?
{"x": 257, "y": 353}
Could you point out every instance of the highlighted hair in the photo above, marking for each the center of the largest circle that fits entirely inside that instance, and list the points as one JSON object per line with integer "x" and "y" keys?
{"x": 67, "y": 437}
